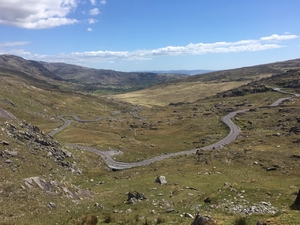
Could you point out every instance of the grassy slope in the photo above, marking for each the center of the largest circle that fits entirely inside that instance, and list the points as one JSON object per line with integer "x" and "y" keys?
{"x": 201, "y": 86}
{"x": 167, "y": 129}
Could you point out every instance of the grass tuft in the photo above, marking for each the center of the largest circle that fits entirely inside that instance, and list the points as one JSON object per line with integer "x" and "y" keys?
{"x": 87, "y": 220}
{"x": 240, "y": 221}
{"x": 108, "y": 218}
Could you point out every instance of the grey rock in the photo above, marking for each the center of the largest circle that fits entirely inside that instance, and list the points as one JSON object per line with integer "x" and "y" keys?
{"x": 133, "y": 197}
{"x": 5, "y": 142}
{"x": 8, "y": 161}
{"x": 97, "y": 205}
{"x": 170, "y": 210}
{"x": 203, "y": 220}
{"x": 161, "y": 180}
{"x": 52, "y": 205}
{"x": 188, "y": 215}
{"x": 296, "y": 204}
{"x": 10, "y": 153}
{"x": 271, "y": 168}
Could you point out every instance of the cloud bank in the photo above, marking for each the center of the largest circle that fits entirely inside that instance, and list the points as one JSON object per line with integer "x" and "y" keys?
{"x": 276, "y": 37}
{"x": 37, "y": 14}
{"x": 261, "y": 44}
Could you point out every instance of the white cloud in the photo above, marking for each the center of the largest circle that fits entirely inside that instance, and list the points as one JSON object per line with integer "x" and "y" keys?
{"x": 89, "y": 29}
{"x": 148, "y": 54}
{"x": 93, "y": 2}
{"x": 12, "y": 44}
{"x": 103, "y": 2}
{"x": 91, "y": 21}
{"x": 276, "y": 37}
{"x": 94, "y": 11}
{"x": 37, "y": 14}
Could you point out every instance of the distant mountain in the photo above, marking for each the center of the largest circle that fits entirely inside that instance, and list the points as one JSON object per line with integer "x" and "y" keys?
{"x": 28, "y": 67}
{"x": 107, "y": 77}
{"x": 83, "y": 78}
{"x": 187, "y": 72}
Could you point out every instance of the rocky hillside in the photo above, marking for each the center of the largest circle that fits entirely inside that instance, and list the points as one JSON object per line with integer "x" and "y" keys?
{"x": 83, "y": 78}
{"x": 287, "y": 79}
{"x": 35, "y": 170}
{"x": 89, "y": 75}
{"x": 28, "y": 67}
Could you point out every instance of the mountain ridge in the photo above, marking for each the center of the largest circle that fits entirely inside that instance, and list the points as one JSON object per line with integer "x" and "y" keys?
{"x": 84, "y": 78}
{"x": 187, "y": 72}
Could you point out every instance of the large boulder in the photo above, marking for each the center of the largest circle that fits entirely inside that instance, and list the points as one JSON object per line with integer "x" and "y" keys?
{"x": 133, "y": 197}
{"x": 203, "y": 220}
{"x": 296, "y": 204}
{"x": 161, "y": 180}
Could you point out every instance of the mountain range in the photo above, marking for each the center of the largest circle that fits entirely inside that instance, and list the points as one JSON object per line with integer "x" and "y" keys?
{"x": 187, "y": 72}
{"x": 85, "y": 79}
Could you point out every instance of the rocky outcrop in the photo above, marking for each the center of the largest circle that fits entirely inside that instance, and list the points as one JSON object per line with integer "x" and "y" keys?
{"x": 203, "y": 220}
{"x": 7, "y": 115}
{"x": 296, "y": 204}
{"x": 37, "y": 143}
{"x": 295, "y": 130}
{"x": 135, "y": 196}
{"x": 53, "y": 187}
{"x": 243, "y": 90}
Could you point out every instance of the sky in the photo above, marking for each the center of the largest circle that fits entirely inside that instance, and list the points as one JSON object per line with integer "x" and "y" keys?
{"x": 143, "y": 35}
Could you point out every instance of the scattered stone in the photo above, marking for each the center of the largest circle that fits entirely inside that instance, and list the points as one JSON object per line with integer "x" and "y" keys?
{"x": 161, "y": 180}
{"x": 8, "y": 161}
{"x": 165, "y": 204}
{"x": 5, "y": 142}
{"x": 295, "y": 156}
{"x": 226, "y": 185}
{"x": 97, "y": 205}
{"x": 135, "y": 196}
{"x": 132, "y": 201}
{"x": 296, "y": 141}
{"x": 203, "y": 220}
{"x": 52, "y": 205}
{"x": 296, "y": 204}
{"x": 36, "y": 141}
{"x": 207, "y": 200}
{"x": 188, "y": 215}
{"x": 170, "y": 210}
{"x": 295, "y": 130}
{"x": 128, "y": 211}
{"x": 271, "y": 168}
{"x": 10, "y": 153}
{"x": 241, "y": 206}
{"x": 54, "y": 187}
{"x": 265, "y": 203}
{"x": 260, "y": 223}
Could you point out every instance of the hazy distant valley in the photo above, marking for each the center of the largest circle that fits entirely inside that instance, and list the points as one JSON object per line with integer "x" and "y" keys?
{"x": 76, "y": 145}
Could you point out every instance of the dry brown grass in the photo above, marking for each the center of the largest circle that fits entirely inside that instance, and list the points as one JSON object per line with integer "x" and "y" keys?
{"x": 179, "y": 92}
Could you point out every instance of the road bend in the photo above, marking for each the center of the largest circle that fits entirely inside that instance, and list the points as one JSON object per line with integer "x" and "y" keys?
{"x": 117, "y": 165}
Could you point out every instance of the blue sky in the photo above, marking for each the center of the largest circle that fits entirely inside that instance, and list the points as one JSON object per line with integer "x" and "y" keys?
{"x": 135, "y": 35}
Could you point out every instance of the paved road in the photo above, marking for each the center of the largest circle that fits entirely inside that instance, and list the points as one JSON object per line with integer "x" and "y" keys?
{"x": 116, "y": 165}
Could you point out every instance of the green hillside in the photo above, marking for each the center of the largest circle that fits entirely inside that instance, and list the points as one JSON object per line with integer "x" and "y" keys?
{"x": 46, "y": 180}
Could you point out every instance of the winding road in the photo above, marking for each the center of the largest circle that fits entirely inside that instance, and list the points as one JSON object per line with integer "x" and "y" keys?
{"x": 116, "y": 165}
